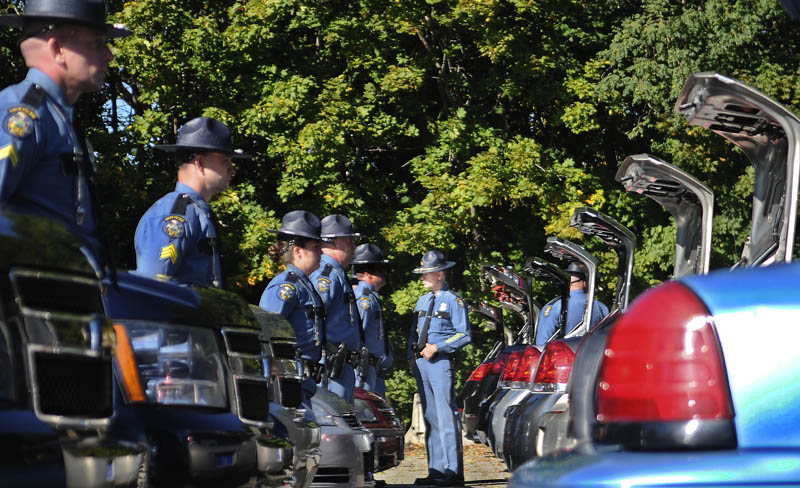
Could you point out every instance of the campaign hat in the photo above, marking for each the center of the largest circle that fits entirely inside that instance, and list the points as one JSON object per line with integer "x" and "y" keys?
{"x": 433, "y": 260}
{"x": 299, "y": 223}
{"x": 91, "y": 13}
{"x": 204, "y": 134}
{"x": 369, "y": 254}
{"x": 337, "y": 225}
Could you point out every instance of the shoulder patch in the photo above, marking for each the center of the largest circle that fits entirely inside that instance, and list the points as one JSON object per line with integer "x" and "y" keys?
{"x": 179, "y": 207}
{"x": 547, "y": 310}
{"x": 19, "y": 121}
{"x": 323, "y": 285}
{"x": 365, "y": 303}
{"x": 460, "y": 302}
{"x": 286, "y": 291}
{"x": 174, "y": 226}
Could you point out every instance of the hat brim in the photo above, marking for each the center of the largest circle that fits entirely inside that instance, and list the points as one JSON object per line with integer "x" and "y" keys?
{"x": 354, "y": 235}
{"x": 114, "y": 31}
{"x": 173, "y": 148}
{"x": 305, "y": 236}
{"x": 385, "y": 262}
{"x": 423, "y": 270}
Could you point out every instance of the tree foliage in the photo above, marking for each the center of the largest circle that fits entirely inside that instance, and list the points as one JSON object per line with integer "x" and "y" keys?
{"x": 473, "y": 126}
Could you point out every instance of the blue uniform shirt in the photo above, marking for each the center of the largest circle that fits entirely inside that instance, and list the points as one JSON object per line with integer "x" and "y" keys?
{"x": 449, "y": 327}
{"x": 548, "y": 317}
{"x": 341, "y": 317}
{"x": 176, "y": 239}
{"x": 371, "y": 319}
{"x": 38, "y": 146}
{"x": 291, "y": 295}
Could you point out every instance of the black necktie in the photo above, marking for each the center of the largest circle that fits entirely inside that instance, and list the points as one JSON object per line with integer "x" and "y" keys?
{"x": 423, "y": 336}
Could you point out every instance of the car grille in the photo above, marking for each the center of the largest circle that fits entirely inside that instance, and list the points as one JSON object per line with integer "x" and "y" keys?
{"x": 332, "y": 475}
{"x": 388, "y": 413}
{"x": 351, "y": 419}
{"x": 283, "y": 348}
{"x": 291, "y": 394}
{"x": 73, "y": 385}
{"x": 52, "y": 292}
{"x": 242, "y": 342}
{"x": 253, "y": 399}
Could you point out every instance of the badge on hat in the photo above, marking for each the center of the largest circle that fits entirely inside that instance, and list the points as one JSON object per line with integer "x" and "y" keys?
{"x": 547, "y": 310}
{"x": 286, "y": 291}
{"x": 19, "y": 122}
{"x": 174, "y": 226}
{"x": 323, "y": 285}
{"x": 365, "y": 303}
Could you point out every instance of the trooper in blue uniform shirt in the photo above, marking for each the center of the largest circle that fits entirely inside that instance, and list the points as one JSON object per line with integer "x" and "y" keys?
{"x": 548, "y": 317}
{"x": 177, "y": 238}
{"x": 44, "y": 161}
{"x": 344, "y": 335}
{"x": 440, "y": 328}
{"x": 292, "y": 295}
{"x": 370, "y": 268}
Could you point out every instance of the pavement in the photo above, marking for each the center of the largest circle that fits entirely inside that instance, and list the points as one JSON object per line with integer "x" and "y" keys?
{"x": 481, "y": 468}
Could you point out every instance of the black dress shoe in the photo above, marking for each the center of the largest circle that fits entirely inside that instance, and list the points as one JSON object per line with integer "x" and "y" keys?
{"x": 380, "y": 484}
{"x": 430, "y": 479}
{"x": 453, "y": 480}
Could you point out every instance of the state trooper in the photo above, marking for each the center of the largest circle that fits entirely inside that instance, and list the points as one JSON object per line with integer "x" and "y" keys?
{"x": 440, "y": 328}
{"x": 292, "y": 295}
{"x": 548, "y": 317}
{"x": 45, "y": 165}
{"x": 178, "y": 237}
{"x": 344, "y": 335}
{"x": 370, "y": 268}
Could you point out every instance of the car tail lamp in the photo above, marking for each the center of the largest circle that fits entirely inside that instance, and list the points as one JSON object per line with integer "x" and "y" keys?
{"x": 662, "y": 362}
{"x": 500, "y": 363}
{"x": 662, "y": 366}
{"x": 508, "y": 371}
{"x": 526, "y": 367}
{"x": 552, "y": 373}
{"x": 480, "y": 372}
{"x": 170, "y": 364}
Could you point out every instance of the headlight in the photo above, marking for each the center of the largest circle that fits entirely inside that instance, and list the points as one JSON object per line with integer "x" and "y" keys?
{"x": 170, "y": 364}
{"x": 364, "y": 411}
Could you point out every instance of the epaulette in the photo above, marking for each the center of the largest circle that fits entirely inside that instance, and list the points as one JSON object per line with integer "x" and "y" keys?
{"x": 365, "y": 292}
{"x": 327, "y": 271}
{"x": 179, "y": 207}
{"x": 34, "y": 96}
{"x": 291, "y": 277}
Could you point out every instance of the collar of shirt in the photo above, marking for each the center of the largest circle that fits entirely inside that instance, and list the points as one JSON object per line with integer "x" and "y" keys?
{"x": 576, "y": 293}
{"x": 367, "y": 285}
{"x": 38, "y": 77}
{"x": 296, "y": 270}
{"x": 325, "y": 259}
{"x": 196, "y": 198}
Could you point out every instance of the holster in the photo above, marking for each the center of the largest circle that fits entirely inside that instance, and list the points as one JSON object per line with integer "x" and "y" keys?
{"x": 313, "y": 370}
{"x": 363, "y": 361}
{"x": 336, "y": 360}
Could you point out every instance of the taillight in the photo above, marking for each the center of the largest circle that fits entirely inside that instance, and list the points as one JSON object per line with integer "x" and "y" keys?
{"x": 552, "y": 374}
{"x": 662, "y": 362}
{"x": 480, "y": 372}
{"x": 500, "y": 363}
{"x": 523, "y": 374}
{"x": 508, "y": 371}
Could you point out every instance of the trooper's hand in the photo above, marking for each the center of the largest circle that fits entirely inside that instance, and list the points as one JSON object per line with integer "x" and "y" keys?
{"x": 429, "y": 351}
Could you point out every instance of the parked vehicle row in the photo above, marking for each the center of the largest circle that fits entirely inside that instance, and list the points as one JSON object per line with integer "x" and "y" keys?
{"x": 127, "y": 381}
{"x": 665, "y": 391}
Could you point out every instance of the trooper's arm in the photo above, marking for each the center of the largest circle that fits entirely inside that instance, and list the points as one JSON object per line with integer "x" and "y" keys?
{"x": 20, "y": 140}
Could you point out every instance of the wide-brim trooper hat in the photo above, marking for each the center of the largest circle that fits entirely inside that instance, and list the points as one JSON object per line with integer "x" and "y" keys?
{"x": 369, "y": 254}
{"x": 433, "y": 260}
{"x": 299, "y": 223}
{"x": 575, "y": 269}
{"x": 337, "y": 225}
{"x": 91, "y": 13}
{"x": 204, "y": 134}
